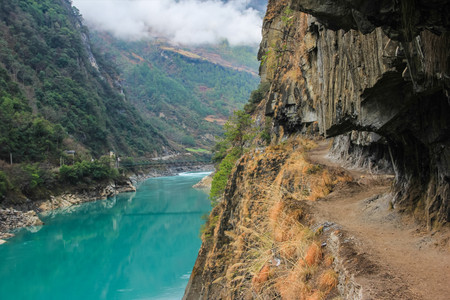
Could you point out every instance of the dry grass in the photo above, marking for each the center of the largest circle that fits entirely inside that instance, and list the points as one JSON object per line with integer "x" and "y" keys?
{"x": 328, "y": 260}
{"x": 272, "y": 252}
{"x": 313, "y": 254}
{"x": 328, "y": 280}
{"x": 260, "y": 278}
{"x": 316, "y": 295}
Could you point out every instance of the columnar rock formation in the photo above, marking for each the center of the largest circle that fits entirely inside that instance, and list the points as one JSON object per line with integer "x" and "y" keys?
{"x": 374, "y": 74}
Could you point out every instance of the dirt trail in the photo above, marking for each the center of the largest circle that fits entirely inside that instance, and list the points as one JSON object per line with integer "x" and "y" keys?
{"x": 407, "y": 262}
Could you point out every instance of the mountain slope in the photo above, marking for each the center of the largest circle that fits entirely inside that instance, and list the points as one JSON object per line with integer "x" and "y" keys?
{"x": 46, "y": 51}
{"x": 182, "y": 90}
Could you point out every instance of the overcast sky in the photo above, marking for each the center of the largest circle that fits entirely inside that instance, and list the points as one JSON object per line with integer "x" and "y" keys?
{"x": 187, "y": 22}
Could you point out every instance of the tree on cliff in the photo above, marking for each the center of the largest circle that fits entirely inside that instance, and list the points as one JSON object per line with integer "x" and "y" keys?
{"x": 238, "y": 131}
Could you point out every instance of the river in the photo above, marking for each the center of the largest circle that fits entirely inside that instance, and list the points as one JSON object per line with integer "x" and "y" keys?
{"x": 139, "y": 245}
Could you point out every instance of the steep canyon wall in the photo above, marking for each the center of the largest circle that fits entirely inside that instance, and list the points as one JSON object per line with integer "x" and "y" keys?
{"x": 378, "y": 80}
{"x": 373, "y": 75}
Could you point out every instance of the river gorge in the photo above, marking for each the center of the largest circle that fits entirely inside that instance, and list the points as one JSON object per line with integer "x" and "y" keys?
{"x": 139, "y": 245}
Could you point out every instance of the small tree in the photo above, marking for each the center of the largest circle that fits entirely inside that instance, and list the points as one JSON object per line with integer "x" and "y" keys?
{"x": 238, "y": 129}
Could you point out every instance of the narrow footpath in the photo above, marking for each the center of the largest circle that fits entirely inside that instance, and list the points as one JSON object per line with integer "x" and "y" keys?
{"x": 398, "y": 258}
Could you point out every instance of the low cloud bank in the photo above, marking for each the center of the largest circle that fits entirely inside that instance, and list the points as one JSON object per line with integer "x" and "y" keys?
{"x": 189, "y": 22}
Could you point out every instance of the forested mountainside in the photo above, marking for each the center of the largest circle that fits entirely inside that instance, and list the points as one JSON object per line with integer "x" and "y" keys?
{"x": 57, "y": 92}
{"x": 291, "y": 223}
{"x": 186, "y": 93}
{"x": 61, "y": 102}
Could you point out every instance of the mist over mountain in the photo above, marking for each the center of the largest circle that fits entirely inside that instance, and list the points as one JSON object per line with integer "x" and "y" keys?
{"x": 68, "y": 88}
{"x": 181, "y": 63}
{"x": 188, "y": 22}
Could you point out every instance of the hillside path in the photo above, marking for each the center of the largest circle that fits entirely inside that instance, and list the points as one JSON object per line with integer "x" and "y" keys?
{"x": 409, "y": 261}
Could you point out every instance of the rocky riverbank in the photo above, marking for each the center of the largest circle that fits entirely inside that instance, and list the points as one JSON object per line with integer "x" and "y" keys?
{"x": 96, "y": 193}
{"x": 26, "y": 214}
{"x": 205, "y": 183}
{"x": 11, "y": 218}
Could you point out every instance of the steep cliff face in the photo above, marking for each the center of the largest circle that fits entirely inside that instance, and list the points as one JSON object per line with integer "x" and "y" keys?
{"x": 257, "y": 240}
{"x": 373, "y": 75}
{"x": 380, "y": 88}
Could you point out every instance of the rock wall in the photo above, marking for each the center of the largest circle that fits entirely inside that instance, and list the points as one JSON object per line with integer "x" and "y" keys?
{"x": 376, "y": 75}
{"x": 373, "y": 75}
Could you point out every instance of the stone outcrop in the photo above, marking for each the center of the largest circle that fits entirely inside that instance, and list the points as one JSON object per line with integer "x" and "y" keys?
{"x": 11, "y": 219}
{"x": 95, "y": 193}
{"x": 374, "y": 74}
{"x": 204, "y": 184}
{"x": 402, "y": 19}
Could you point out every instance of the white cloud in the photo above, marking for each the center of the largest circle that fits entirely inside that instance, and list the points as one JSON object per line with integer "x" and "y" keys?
{"x": 188, "y": 22}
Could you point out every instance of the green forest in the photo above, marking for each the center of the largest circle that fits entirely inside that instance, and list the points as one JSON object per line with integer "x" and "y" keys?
{"x": 66, "y": 90}
{"x": 176, "y": 92}
{"x": 52, "y": 73}
{"x": 57, "y": 94}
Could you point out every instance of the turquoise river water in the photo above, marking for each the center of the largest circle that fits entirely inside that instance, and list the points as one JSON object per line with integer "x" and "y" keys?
{"x": 139, "y": 245}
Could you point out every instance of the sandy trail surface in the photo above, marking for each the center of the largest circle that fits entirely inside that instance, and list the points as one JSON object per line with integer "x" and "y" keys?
{"x": 402, "y": 260}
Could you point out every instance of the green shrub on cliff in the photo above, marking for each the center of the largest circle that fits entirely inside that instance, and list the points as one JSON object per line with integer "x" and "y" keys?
{"x": 238, "y": 132}
{"x": 257, "y": 96}
{"x": 220, "y": 179}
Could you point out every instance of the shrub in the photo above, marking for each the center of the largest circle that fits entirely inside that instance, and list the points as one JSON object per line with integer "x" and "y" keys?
{"x": 238, "y": 132}
{"x": 257, "y": 96}
{"x": 69, "y": 173}
{"x": 220, "y": 151}
{"x": 32, "y": 180}
{"x": 4, "y": 184}
{"x": 86, "y": 170}
{"x": 239, "y": 129}
{"x": 220, "y": 179}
